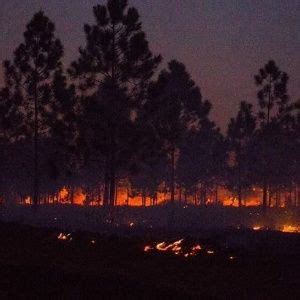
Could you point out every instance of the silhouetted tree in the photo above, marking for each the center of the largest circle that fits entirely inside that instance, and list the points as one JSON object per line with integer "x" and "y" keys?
{"x": 202, "y": 160}
{"x": 175, "y": 107}
{"x": 32, "y": 80}
{"x": 113, "y": 71}
{"x": 296, "y": 152}
{"x": 275, "y": 116}
{"x": 240, "y": 132}
{"x": 273, "y": 91}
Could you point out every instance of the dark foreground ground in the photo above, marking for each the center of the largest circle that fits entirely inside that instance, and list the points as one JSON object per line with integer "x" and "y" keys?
{"x": 34, "y": 264}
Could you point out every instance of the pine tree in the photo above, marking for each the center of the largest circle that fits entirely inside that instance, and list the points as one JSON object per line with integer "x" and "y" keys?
{"x": 175, "y": 107}
{"x": 112, "y": 74}
{"x": 272, "y": 95}
{"x": 240, "y": 132}
{"x": 202, "y": 160}
{"x": 273, "y": 102}
{"x": 32, "y": 83}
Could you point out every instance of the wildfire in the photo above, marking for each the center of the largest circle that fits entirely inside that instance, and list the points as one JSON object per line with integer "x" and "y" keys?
{"x": 78, "y": 196}
{"x": 194, "y": 251}
{"x": 65, "y": 237}
{"x": 257, "y": 227}
{"x": 290, "y": 229}
{"x": 284, "y": 228}
{"x": 147, "y": 248}
{"x": 63, "y": 193}
{"x": 176, "y": 248}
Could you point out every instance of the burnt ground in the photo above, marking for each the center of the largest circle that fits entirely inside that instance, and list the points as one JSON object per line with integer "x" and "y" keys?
{"x": 34, "y": 264}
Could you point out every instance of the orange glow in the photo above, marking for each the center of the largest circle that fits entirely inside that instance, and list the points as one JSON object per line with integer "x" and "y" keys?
{"x": 124, "y": 197}
{"x": 250, "y": 201}
{"x": 176, "y": 248}
{"x": 290, "y": 229}
{"x": 147, "y": 248}
{"x": 27, "y": 200}
{"x": 63, "y": 194}
{"x": 79, "y": 197}
{"x": 64, "y": 237}
{"x": 256, "y": 227}
{"x": 197, "y": 247}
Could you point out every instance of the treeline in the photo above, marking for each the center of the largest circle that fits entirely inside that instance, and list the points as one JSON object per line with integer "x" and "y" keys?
{"x": 113, "y": 117}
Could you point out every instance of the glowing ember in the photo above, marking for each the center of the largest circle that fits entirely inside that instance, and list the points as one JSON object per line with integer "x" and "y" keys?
{"x": 147, "y": 248}
{"x": 231, "y": 257}
{"x": 197, "y": 247}
{"x": 64, "y": 237}
{"x": 131, "y": 224}
{"x": 210, "y": 252}
{"x": 256, "y": 227}
{"x": 93, "y": 241}
{"x": 290, "y": 229}
{"x": 176, "y": 248}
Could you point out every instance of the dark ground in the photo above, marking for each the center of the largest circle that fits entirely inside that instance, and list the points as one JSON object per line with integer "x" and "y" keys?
{"x": 35, "y": 265}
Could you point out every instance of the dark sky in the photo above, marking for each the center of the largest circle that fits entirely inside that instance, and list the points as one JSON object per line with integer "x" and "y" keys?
{"x": 222, "y": 43}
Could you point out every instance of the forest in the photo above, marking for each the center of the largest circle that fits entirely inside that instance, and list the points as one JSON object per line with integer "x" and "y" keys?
{"x": 115, "y": 124}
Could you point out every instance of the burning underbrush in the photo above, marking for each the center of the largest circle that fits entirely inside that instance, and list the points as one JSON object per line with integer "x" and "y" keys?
{"x": 285, "y": 228}
{"x": 168, "y": 264}
{"x": 188, "y": 248}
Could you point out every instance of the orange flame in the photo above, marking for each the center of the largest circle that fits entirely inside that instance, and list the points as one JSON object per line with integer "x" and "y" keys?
{"x": 290, "y": 229}
{"x": 64, "y": 237}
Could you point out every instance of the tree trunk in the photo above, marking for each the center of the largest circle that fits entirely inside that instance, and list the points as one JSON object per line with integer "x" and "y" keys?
{"x": 112, "y": 187}
{"x": 116, "y": 192}
{"x": 270, "y": 198}
{"x": 265, "y": 187}
{"x": 240, "y": 195}
{"x": 106, "y": 186}
{"x": 173, "y": 175}
{"x": 205, "y": 195}
{"x": 72, "y": 195}
{"x": 112, "y": 175}
{"x": 143, "y": 200}
{"x": 216, "y": 195}
{"x": 276, "y": 198}
{"x": 180, "y": 194}
{"x": 265, "y": 197}
{"x": 127, "y": 198}
{"x": 36, "y": 151}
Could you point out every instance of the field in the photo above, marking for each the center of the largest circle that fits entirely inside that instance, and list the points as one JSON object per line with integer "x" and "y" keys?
{"x": 54, "y": 261}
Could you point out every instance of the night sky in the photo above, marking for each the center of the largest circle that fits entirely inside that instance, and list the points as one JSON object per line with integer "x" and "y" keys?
{"x": 222, "y": 43}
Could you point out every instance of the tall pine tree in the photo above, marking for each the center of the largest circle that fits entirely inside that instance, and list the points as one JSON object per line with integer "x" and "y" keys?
{"x": 240, "y": 133}
{"x": 274, "y": 109}
{"x": 112, "y": 73}
{"x": 175, "y": 107}
{"x": 32, "y": 82}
